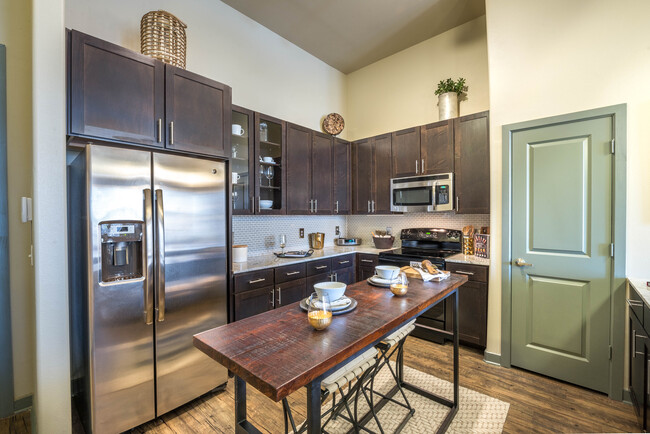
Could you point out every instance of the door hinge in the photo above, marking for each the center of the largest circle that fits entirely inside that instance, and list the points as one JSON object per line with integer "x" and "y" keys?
{"x": 613, "y": 149}
{"x": 611, "y": 250}
{"x": 610, "y": 352}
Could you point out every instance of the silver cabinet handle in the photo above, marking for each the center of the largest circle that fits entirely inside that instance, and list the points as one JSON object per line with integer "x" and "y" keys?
{"x": 160, "y": 236}
{"x": 321, "y": 267}
{"x": 422, "y": 167}
{"x": 259, "y": 210}
{"x": 343, "y": 262}
{"x": 633, "y": 344}
{"x": 251, "y": 204}
{"x": 416, "y": 167}
{"x": 159, "y": 130}
{"x": 634, "y": 303}
{"x": 368, "y": 207}
{"x": 272, "y": 298}
{"x": 171, "y": 133}
{"x": 311, "y": 205}
{"x": 148, "y": 257}
{"x": 292, "y": 273}
{"x": 469, "y": 273}
{"x": 373, "y": 206}
{"x": 337, "y": 206}
{"x": 647, "y": 376}
{"x": 250, "y": 282}
{"x": 367, "y": 260}
{"x": 521, "y": 262}
{"x": 457, "y": 203}
{"x": 316, "y": 205}
{"x": 336, "y": 277}
{"x": 279, "y": 296}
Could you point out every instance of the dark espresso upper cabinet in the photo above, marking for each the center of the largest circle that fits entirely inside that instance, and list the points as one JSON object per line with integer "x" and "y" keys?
{"x": 115, "y": 93}
{"x": 122, "y": 96}
{"x": 437, "y": 147}
{"x": 198, "y": 113}
{"x": 341, "y": 174}
{"x": 321, "y": 173}
{"x": 371, "y": 165}
{"x": 472, "y": 163}
{"x": 382, "y": 149}
{"x": 406, "y": 152}
{"x": 299, "y": 170}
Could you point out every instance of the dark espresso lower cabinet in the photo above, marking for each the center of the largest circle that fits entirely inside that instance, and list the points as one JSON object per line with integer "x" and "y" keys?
{"x": 290, "y": 292}
{"x": 639, "y": 360}
{"x": 252, "y": 302}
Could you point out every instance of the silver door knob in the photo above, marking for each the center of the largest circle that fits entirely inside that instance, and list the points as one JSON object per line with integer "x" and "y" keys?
{"x": 522, "y": 262}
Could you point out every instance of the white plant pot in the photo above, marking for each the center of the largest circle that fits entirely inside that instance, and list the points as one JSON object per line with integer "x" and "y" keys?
{"x": 448, "y": 105}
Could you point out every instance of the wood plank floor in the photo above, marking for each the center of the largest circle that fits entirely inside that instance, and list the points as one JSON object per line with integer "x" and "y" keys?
{"x": 19, "y": 423}
{"x": 537, "y": 403}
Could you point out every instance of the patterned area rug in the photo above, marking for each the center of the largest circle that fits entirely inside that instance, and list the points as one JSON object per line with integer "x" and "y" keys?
{"x": 477, "y": 413}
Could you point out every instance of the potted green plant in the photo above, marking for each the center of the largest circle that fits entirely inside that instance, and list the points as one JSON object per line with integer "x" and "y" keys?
{"x": 448, "y": 91}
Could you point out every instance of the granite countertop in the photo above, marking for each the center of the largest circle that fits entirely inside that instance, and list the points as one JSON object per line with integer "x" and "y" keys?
{"x": 270, "y": 260}
{"x": 641, "y": 287}
{"x": 468, "y": 259}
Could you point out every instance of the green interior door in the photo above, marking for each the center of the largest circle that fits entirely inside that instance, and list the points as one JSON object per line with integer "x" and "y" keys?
{"x": 561, "y": 265}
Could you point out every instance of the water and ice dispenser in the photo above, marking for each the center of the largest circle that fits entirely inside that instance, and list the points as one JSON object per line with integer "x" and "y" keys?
{"x": 121, "y": 250}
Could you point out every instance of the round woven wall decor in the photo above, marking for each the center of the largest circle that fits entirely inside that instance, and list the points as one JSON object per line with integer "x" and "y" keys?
{"x": 333, "y": 124}
{"x": 162, "y": 36}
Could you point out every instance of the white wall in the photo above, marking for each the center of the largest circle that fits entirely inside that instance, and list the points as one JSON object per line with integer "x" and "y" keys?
{"x": 398, "y": 92}
{"x": 553, "y": 57}
{"x": 267, "y": 73}
{"x": 15, "y": 33}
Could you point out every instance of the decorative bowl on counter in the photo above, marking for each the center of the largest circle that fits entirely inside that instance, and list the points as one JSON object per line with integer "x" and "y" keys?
{"x": 383, "y": 242}
{"x": 334, "y": 290}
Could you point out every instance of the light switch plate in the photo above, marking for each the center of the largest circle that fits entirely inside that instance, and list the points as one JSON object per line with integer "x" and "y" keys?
{"x": 26, "y": 209}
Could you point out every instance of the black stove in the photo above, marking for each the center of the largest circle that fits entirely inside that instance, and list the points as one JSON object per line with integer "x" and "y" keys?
{"x": 419, "y": 244}
{"x": 435, "y": 245}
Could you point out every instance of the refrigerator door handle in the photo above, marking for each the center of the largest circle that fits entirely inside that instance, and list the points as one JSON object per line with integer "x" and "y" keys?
{"x": 147, "y": 257}
{"x": 160, "y": 255}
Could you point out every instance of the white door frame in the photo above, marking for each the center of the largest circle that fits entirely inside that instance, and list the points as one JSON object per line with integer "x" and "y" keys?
{"x": 618, "y": 114}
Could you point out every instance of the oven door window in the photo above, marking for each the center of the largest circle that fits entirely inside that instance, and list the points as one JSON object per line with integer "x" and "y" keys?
{"x": 412, "y": 196}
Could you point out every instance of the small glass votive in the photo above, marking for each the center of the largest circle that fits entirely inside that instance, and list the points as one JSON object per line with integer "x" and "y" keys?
{"x": 320, "y": 311}
{"x": 400, "y": 285}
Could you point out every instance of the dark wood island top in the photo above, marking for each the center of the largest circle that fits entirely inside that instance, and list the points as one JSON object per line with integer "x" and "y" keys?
{"x": 278, "y": 352}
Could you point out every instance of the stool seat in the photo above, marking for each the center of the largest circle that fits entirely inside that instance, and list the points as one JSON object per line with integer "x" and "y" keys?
{"x": 398, "y": 334}
{"x": 350, "y": 371}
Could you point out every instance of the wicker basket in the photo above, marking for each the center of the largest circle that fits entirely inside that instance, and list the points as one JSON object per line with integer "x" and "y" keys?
{"x": 162, "y": 36}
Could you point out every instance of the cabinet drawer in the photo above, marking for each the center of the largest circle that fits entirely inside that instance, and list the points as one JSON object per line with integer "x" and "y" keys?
{"x": 319, "y": 267}
{"x": 367, "y": 260}
{"x": 636, "y": 305}
{"x": 478, "y": 273}
{"x": 289, "y": 272}
{"x": 344, "y": 261}
{"x": 253, "y": 280}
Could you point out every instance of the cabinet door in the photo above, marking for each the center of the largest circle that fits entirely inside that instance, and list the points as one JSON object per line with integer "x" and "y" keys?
{"x": 405, "y": 151}
{"x": 115, "y": 93}
{"x": 637, "y": 358}
{"x": 242, "y": 164}
{"x": 472, "y": 164}
{"x": 299, "y": 169}
{"x": 437, "y": 147}
{"x": 341, "y": 180}
{"x": 472, "y": 313}
{"x": 269, "y": 171}
{"x": 251, "y": 303}
{"x": 345, "y": 275}
{"x": 362, "y": 165}
{"x": 312, "y": 280}
{"x": 365, "y": 272}
{"x": 198, "y": 113}
{"x": 290, "y": 292}
{"x": 321, "y": 173}
{"x": 382, "y": 174}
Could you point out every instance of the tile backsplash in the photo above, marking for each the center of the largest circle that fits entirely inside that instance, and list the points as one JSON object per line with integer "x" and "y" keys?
{"x": 361, "y": 225}
{"x": 262, "y": 233}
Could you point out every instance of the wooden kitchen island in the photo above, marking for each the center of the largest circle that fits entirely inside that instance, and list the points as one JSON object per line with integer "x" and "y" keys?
{"x": 278, "y": 352}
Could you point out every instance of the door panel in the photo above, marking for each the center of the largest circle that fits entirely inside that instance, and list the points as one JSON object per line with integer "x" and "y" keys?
{"x": 382, "y": 174}
{"x": 121, "y": 344}
{"x": 362, "y": 176}
{"x": 321, "y": 173}
{"x": 561, "y": 224}
{"x": 406, "y": 152}
{"x": 341, "y": 177}
{"x": 298, "y": 167}
{"x": 194, "y": 200}
{"x": 290, "y": 292}
{"x": 472, "y": 163}
{"x": 437, "y": 147}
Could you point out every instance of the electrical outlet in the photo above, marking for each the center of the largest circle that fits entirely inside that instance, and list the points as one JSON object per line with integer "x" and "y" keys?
{"x": 337, "y": 231}
{"x": 302, "y": 232}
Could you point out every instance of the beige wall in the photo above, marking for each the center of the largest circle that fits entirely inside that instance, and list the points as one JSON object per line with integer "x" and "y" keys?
{"x": 398, "y": 92}
{"x": 553, "y": 57}
{"x": 15, "y": 33}
{"x": 267, "y": 73}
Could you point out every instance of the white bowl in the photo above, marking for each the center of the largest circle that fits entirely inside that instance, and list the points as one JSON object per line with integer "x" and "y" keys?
{"x": 334, "y": 290}
{"x": 268, "y": 160}
{"x": 387, "y": 271}
{"x": 266, "y": 204}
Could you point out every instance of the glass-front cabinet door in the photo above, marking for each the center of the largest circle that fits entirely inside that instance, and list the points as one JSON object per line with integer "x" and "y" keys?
{"x": 269, "y": 159}
{"x": 242, "y": 161}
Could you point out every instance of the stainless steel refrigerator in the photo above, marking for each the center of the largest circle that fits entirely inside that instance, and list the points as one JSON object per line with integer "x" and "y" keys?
{"x": 148, "y": 270}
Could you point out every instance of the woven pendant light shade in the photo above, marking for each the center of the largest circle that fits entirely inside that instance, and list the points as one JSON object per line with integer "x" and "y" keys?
{"x": 162, "y": 36}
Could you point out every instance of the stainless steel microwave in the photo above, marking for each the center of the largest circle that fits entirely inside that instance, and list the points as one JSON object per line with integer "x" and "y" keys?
{"x": 426, "y": 193}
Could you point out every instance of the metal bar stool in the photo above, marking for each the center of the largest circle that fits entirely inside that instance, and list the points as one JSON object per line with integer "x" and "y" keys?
{"x": 360, "y": 369}
{"x": 389, "y": 346}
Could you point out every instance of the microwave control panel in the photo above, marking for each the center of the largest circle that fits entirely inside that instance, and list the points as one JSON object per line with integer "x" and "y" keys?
{"x": 442, "y": 194}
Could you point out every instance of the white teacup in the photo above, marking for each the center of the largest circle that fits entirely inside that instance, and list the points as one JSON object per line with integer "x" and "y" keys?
{"x": 268, "y": 160}
{"x": 237, "y": 130}
{"x": 235, "y": 177}
{"x": 387, "y": 272}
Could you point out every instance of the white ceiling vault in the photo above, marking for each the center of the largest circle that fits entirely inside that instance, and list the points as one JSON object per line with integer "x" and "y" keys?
{"x": 351, "y": 34}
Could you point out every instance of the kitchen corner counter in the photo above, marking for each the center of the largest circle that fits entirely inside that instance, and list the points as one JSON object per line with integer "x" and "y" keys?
{"x": 270, "y": 261}
{"x": 640, "y": 285}
{"x": 459, "y": 258}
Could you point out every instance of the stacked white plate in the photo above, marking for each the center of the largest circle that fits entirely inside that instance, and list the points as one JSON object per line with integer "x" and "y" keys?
{"x": 378, "y": 281}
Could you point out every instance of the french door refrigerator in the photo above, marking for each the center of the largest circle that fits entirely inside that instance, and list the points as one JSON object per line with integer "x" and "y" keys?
{"x": 148, "y": 271}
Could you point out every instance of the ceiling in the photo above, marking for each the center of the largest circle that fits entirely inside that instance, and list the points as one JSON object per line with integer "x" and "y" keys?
{"x": 350, "y": 34}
